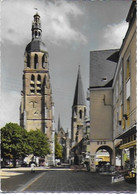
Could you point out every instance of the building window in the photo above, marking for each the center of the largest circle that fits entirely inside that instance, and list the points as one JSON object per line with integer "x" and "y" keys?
{"x": 39, "y": 79}
{"x": 43, "y": 61}
{"x": 35, "y": 61}
{"x": 128, "y": 69}
{"x": 32, "y": 84}
{"x": 39, "y": 84}
{"x": 80, "y": 114}
{"x": 128, "y": 112}
{"x": 28, "y": 60}
{"x": 84, "y": 111}
{"x": 32, "y": 78}
{"x": 35, "y": 33}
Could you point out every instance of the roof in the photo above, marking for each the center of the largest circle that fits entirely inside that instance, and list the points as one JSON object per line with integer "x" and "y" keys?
{"x": 79, "y": 98}
{"x": 36, "y": 45}
{"x": 102, "y": 67}
{"x": 131, "y": 10}
{"x": 127, "y": 133}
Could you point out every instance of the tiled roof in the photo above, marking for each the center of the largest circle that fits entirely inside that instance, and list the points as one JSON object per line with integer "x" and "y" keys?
{"x": 102, "y": 67}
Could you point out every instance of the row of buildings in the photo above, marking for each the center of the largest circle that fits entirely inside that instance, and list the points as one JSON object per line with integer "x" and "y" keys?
{"x": 112, "y": 96}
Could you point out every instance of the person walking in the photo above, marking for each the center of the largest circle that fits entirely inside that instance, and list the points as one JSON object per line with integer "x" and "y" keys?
{"x": 32, "y": 168}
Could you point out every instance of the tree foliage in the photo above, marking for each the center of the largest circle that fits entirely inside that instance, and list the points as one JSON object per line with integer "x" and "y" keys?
{"x": 39, "y": 143}
{"x": 17, "y": 143}
{"x": 14, "y": 142}
{"x": 58, "y": 149}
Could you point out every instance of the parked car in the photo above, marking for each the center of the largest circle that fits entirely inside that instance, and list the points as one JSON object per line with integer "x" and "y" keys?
{"x": 130, "y": 176}
{"x": 103, "y": 166}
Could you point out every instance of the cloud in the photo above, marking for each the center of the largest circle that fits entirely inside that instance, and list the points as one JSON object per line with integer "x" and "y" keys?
{"x": 8, "y": 111}
{"x": 56, "y": 18}
{"x": 114, "y": 34}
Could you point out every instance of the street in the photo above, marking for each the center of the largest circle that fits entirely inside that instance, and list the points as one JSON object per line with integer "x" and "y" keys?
{"x": 62, "y": 180}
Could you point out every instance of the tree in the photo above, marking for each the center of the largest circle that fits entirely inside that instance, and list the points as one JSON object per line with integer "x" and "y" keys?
{"x": 58, "y": 149}
{"x": 39, "y": 143}
{"x": 14, "y": 142}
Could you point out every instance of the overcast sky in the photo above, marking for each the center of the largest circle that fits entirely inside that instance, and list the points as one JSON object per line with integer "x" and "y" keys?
{"x": 70, "y": 30}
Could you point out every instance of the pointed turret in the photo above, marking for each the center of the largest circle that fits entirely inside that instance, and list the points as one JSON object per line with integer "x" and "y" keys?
{"x": 79, "y": 98}
{"x": 36, "y": 27}
{"x": 78, "y": 110}
{"x": 36, "y": 44}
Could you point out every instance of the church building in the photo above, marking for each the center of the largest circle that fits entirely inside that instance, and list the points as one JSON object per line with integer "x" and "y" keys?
{"x": 78, "y": 122}
{"x": 36, "y": 109}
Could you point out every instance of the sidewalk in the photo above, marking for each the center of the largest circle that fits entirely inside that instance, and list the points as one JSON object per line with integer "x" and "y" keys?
{"x": 15, "y": 178}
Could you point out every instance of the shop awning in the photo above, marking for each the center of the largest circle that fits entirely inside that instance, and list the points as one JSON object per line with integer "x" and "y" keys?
{"x": 127, "y": 133}
{"x": 128, "y": 145}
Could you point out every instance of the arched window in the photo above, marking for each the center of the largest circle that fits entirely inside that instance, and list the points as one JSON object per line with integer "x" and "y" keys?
{"x": 28, "y": 60}
{"x": 44, "y": 81}
{"x": 80, "y": 114}
{"x": 84, "y": 111}
{"x": 39, "y": 84}
{"x": 43, "y": 61}
{"x": 32, "y": 84}
{"x": 35, "y": 33}
{"x": 35, "y": 61}
{"x": 32, "y": 78}
{"x": 39, "y": 78}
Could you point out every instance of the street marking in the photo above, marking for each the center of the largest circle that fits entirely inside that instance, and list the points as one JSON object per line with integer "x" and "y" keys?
{"x": 24, "y": 187}
{"x": 7, "y": 174}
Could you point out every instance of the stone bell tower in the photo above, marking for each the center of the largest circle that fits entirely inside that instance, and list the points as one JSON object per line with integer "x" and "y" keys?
{"x": 78, "y": 111}
{"x": 36, "y": 110}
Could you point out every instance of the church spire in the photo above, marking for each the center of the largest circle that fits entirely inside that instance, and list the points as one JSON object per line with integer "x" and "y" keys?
{"x": 79, "y": 98}
{"x": 36, "y": 27}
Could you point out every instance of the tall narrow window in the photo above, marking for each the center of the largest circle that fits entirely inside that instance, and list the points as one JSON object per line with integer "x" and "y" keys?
{"x": 32, "y": 78}
{"x": 128, "y": 112}
{"x": 43, "y": 61}
{"x": 84, "y": 111}
{"x": 32, "y": 84}
{"x": 35, "y": 61}
{"x": 80, "y": 114}
{"x": 35, "y": 33}
{"x": 128, "y": 69}
{"x": 28, "y": 60}
{"x": 39, "y": 79}
{"x": 44, "y": 81}
{"x": 39, "y": 84}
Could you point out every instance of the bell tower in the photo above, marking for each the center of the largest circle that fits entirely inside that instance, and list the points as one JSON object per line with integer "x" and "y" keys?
{"x": 36, "y": 110}
{"x": 78, "y": 111}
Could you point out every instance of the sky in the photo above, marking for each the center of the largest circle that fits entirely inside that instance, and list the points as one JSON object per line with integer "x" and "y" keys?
{"x": 70, "y": 30}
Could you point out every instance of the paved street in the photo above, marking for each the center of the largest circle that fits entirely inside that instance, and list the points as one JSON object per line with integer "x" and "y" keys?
{"x": 52, "y": 180}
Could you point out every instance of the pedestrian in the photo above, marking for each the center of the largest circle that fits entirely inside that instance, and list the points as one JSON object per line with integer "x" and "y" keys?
{"x": 32, "y": 168}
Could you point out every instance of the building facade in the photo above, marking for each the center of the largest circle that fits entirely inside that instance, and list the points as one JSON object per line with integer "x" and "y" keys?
{"x": 36, "y": 109}
{"x": 102, "y": 70}
{"x": 112, "y": 95}
{"x": 125, "y": 96}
